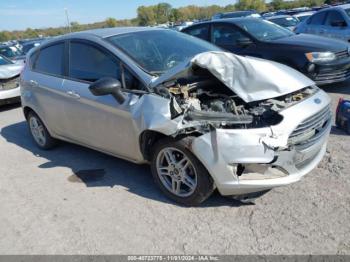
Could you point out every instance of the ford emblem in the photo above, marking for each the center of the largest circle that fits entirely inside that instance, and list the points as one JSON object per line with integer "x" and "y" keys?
{"x": 317, "y": 101}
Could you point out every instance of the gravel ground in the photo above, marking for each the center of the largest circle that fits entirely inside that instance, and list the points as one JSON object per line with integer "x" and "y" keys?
{"x": 45, "y": 209}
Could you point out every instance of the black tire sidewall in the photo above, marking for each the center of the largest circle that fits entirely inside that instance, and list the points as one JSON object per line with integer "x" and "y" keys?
{"x": 50, "y": 142}
{"x": 205, "y": 184}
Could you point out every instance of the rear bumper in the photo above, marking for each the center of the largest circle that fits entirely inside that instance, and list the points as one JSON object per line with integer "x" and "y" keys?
{"x": 9, "y": 96}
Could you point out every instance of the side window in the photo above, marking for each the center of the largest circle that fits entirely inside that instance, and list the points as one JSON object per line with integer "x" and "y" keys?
{"x": 317, "y": 19}
{"x": 50, "y": 60}
{"x": 334, "y": 18}
{"x": 89, "y": 63}
{"x": 224, "y": 35}
{"x": 201, "y": 31}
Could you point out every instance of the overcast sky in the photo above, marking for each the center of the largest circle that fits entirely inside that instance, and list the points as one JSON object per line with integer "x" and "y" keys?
{"x": 21, "y": 14}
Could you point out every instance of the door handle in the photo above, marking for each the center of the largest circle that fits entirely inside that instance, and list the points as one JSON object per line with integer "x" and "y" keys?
{"x": 73, "y": 94}
{"x": 33, "y": 83}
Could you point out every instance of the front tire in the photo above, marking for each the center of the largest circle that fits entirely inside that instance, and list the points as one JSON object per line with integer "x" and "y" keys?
{"x": 39, "y": 132}
{"x": 179, "y": 174}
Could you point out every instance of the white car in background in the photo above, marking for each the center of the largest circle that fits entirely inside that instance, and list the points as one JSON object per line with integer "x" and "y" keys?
{"x": 9, "y": 80}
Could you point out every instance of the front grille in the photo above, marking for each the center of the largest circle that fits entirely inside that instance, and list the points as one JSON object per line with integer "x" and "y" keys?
{"x": 311, "y": 129}
{"x": 7, "y": 84}
{"x": 335, "y": 75}
{"x": 342, "y": 54}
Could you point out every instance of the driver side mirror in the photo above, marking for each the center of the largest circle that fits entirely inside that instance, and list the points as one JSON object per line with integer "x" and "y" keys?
{"x": 244, "y": 41}
{"x": 338, "y": 23}
{"x": 108, "y": 86}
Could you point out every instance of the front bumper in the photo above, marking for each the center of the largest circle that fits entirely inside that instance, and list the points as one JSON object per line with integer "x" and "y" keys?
{"x": 334, "y": 72}
{"x": 10, "y": 96}
{"x": 264, "y": 153}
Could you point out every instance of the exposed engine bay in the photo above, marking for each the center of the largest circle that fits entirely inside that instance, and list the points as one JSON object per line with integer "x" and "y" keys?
{"x": 208, "y": 101}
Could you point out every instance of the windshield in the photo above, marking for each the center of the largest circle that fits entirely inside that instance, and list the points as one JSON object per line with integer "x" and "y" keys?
{"x": 9, "y": 51}
{"x": 4, "y": 61}
{"x": 263, "y": 30}
{"x": 285, "y": 21}
{"x": 157, "y": 51}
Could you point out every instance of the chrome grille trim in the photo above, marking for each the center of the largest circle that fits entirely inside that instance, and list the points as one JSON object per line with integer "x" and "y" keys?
{"x": 314, "y": 125}
{"x": 342, "y": 54}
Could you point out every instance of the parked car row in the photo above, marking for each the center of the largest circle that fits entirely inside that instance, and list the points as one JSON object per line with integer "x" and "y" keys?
{"x": 12, "y": 57}
{"x": 324, "y": 60}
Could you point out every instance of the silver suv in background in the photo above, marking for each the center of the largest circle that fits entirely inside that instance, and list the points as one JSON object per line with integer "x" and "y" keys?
{"x": 203, "y": 118}
{"x": 330, "y": 22}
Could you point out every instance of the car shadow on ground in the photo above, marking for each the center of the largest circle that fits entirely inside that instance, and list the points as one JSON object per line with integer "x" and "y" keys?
{"x": 4, "y": 108}
{"x": 104, "y": 170}
{"x": 338, "y": 88}
{"x": 337, "y": 131}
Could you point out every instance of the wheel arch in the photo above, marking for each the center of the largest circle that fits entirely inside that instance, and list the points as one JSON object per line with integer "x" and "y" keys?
{"x": 147, "y": 139}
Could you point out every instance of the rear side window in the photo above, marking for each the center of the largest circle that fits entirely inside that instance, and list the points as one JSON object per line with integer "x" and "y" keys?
{"x": 89, "y": 63}
{"x": 224, "y": 35}
{"x": 317, "y": 19}
{"x": 334, "y": 17}
{"x": 50, "y": 60}
{"x": 199, "y": 31}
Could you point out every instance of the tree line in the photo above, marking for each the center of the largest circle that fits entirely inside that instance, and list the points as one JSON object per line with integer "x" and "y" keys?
{"x": 163, "y": 13}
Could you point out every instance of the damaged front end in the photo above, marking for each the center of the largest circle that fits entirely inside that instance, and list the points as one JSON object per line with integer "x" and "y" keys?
{"x": 9, "y": 83}
{"x": 252, "y": 131}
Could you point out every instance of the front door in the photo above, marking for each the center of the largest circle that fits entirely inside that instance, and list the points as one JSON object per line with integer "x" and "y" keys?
{"x": 97, "y": 121}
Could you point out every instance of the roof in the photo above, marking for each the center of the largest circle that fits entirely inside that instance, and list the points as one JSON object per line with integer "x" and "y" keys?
{"x": 105, "y": 32}
{"x": 277, "y": 16}
{"x": 304, "y": 13}
{"x": 346, "y": 6}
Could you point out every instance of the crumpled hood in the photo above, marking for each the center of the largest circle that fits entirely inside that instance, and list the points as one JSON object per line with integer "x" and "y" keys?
{"x": 11, "y": 70}
{"x": 252, "y": 79}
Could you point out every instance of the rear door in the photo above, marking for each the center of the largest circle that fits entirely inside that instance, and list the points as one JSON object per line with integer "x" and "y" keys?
{"x": 98, "y": 121}
{"x": 336, "y": 25}
{"x": 45, "y": 80}
{"x": 315, "y": 24}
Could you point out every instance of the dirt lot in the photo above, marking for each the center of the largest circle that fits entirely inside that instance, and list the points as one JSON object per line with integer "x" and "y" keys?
{"x": 46, "y": 210}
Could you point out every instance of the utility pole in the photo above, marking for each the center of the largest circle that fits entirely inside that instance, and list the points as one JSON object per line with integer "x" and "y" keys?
{"x": 67, "y": 17}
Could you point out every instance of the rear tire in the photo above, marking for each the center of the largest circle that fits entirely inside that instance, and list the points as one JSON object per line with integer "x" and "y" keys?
{"x": 39, "y": 132}
{"x": 179, "y": 174}
{"x": 337, "y": 122}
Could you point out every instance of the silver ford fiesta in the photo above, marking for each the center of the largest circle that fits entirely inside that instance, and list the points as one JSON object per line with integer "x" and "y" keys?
{"x": 204, "y": 119}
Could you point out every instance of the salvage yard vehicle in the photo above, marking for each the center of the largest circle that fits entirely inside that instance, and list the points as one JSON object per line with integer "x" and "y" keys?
{"x": 285, "y": 21}
{"x": 333, "y": 22}
{"x": 9, "y": 81}
{"x": 203, "y": 118}
{"x": 12, "y": 52}
{"x": 322, "y": 59}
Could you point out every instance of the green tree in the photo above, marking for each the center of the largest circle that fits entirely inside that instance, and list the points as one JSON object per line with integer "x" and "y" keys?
{"x": 162, "y": 12}
{"x": 277, "y": 4}
{"x": 111, "y": 22}
{"x": 258, "y": 5}
{"x": 146, "y": 15}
